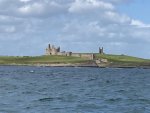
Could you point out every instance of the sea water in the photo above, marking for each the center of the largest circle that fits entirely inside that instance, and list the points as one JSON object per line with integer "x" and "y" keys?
{"x": 25, "y": 89}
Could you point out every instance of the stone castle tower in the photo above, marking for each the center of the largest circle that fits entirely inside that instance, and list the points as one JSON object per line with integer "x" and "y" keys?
{"x": 101, "y": 50}
{"x": 52, "y": 50}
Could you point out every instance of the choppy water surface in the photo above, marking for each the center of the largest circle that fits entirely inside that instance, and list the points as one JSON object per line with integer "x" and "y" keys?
{"x": 74, "y": 90}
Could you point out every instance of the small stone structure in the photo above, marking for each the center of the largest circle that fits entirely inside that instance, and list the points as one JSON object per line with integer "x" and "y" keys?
{"x": 52, "y": 50}
{"x": 101, "y": 50}
{"x": 83, "y": 55}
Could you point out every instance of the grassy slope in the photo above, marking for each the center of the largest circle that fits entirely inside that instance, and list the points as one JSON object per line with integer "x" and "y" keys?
{"x": 40, "y": 59}
{"x": 118, "y": 60}
{"x": 124, "y": 60}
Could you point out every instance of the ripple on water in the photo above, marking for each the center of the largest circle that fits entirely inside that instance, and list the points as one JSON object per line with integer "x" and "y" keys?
{"x": 73, "y": 90}
{"x": 47, "y": 99}
{"x": 114, "y": 100}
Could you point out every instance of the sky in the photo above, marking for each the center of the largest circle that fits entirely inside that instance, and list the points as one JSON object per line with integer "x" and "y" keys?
{"x": 120, "y": 26}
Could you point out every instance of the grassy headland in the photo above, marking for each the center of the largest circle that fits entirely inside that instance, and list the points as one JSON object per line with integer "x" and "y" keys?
{"x": 6, "y": 60}
{"x": 124, "y": 60}
{"x": 113, "y": 60}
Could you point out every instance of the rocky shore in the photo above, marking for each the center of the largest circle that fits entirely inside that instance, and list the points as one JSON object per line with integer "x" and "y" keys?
{"x": 79, "y": 65}
{"x": 85, "y": 64}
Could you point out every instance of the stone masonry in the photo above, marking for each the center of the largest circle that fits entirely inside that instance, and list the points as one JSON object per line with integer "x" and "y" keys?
{"x": 52, "y": 50}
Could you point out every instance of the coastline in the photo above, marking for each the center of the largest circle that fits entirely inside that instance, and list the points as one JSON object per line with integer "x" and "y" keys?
{"x": 86, "y": 64}
{"x": 76, "y": 65}
{"x": 100, "y": 61}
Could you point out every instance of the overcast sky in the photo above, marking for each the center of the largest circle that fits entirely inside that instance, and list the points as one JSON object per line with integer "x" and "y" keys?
{"x": 120, "y": 26}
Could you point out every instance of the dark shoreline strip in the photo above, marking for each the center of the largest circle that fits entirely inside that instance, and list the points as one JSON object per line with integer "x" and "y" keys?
{"x": 91, "y": 66}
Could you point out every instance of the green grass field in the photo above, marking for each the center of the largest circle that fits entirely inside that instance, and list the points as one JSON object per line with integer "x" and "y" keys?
{"x": 124, "y": 60}
{"x": 40, "y": 59}
{"x": 120, "y": 60}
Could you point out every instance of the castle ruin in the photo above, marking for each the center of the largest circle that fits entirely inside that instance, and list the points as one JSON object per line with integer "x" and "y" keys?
{"x": 101, "y": 50}
{"x": 52, "y": 50}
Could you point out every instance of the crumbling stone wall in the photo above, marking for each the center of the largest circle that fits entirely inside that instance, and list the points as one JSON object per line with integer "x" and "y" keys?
{"x": 52, "y": 50}
{"x": 56, "y": 51}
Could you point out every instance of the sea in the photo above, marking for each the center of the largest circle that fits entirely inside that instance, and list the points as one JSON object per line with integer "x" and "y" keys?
{"x": 27, "y": 89}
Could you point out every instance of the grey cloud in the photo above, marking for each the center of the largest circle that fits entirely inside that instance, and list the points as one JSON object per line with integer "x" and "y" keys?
{"x": 80, "y": 6}
{"x": 40, "y": 9}
{"x": 34, "y": 8}
{"x": 31, "y": 25}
